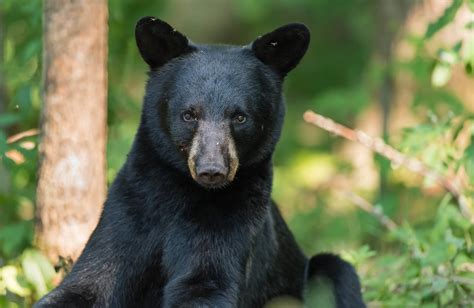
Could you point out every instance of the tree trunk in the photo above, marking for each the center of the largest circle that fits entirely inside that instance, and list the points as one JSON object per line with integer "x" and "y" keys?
{"x": 390, "y": 16}
{"x": 72, "y": 182}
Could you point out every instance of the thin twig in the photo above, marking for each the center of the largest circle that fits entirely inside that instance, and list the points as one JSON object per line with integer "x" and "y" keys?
{"x": 463, "y": 280}
{"x": 26, "y": 133}
{"x": 371, "y": 209}
{"x": 379, "y": 146}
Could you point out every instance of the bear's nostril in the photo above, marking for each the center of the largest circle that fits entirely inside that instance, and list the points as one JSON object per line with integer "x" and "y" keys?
{"x": 211, "y": 175}
{"x": 217, "y": 177}
{"x": 205, "y": 176}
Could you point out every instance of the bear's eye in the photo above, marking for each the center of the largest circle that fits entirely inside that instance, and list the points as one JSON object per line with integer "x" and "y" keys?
{"x": 240, "y": 119}
{"x": 189, "y": 116}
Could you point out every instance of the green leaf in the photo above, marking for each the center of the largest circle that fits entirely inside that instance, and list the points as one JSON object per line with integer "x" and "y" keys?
{"x": 469, "y": 25}
{"x": 441, "y": 74}
{"x": 31, "y": 49}
{"x": 469, "y": 161}
{"x": 468, "y": 57}
{"x": 450, "y": 56}
{"x": 457, "y": 47}
{"x": 8, "y": 119}
{"x": 461, "y": 260}
{"x": 469, "y": 68}
{"x": 9, "y": 275}
{"x": 37, "y": 270}
{"x": 439, "y": 284}
{"x": 3, "y": 143}
{"x": 13, "y": 237}
{"x": 470, "y": 5}
{"x": 443, "y": 20}
{"x": 455, "y": 218}
{"x": 9, "y": 51}
{"x": 439, "y": 253}
{"x": 457, "y": 242}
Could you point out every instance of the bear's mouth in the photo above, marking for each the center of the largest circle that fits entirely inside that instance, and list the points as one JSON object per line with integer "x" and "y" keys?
{"x": 212, "y": 160}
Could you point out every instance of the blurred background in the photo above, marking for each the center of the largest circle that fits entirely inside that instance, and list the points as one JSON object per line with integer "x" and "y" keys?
{"x": 399, "y": 70}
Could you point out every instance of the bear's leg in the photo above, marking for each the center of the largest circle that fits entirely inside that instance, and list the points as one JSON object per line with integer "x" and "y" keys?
{"x": 103, "y": 274}
{"x": 332, "y": 282}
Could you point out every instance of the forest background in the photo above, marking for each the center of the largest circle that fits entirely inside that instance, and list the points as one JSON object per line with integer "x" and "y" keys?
{"x": 397, "y": 72}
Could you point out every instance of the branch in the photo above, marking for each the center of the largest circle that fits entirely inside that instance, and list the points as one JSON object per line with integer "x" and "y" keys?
{"x": 374, "y": 211}
{"x": 379, "y": 146}
{"x": 15, "y": 155}
{"x": 26, "y": 133}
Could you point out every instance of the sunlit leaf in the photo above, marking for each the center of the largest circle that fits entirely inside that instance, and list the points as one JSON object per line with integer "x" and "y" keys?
{"x": 460, "y": 262}
{"x": 443, "y": 20}
{"x": 438, "y": 253}
{"x": 469, "y": 161}
{"x": 449, "y": 56}
{"x": 311, "y": 169}
{"x": 470, "y": 5}
{"x": 37, "y": 270}
{"x": 468, "y": 56}
{"x": 9, "y": 50}
{"x": 9, "y": 275}
{"x": 441, "y": 75}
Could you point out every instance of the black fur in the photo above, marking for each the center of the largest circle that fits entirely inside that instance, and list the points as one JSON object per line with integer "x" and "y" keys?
{"x": 283, "y": 48}
{"x": 329, "y": 272}
{"x": 163, "y": 240}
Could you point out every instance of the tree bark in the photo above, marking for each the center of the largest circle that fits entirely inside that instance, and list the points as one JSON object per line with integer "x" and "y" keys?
{"x": 390, "y": 16}
{"x": 72, "y": 181}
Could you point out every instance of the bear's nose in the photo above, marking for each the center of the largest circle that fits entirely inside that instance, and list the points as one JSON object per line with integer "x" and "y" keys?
{"x": 211, "y": 175}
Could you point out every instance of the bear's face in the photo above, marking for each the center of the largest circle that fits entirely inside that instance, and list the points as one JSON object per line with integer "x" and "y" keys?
{"x": 220, "y": 107}
{"x": 215, "y": 109}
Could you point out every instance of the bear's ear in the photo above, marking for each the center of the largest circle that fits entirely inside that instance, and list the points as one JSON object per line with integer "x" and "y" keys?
{"x": 282, "y": 48}
{"x": 158, "y": 42}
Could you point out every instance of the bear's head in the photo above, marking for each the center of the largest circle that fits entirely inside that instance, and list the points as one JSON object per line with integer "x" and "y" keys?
{"x": 212, "y": 110}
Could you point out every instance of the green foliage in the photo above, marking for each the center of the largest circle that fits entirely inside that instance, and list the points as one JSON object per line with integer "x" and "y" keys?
{"x": 470, "y": 4}
{"x": 335, "y": 101}
{"x": 24, "y": 274}
{"x": 25, "y": 278}
{"x": 447, "y": 58}
{"x": 427, "y": 260}
{"x": 435, "y": 264}
{"x": 431, "y": 263}
{"x": 444, "y": 19}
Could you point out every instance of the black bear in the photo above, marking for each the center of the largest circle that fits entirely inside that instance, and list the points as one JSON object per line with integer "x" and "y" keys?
{"x": 189, "y": 221}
